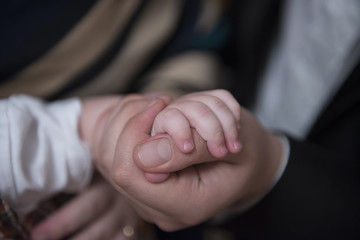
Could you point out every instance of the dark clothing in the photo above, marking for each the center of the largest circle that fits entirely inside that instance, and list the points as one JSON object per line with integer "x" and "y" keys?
{"x": 318, "y": 196}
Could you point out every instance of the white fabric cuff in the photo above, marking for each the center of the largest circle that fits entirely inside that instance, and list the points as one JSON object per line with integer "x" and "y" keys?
{"x": 41, "y": 152}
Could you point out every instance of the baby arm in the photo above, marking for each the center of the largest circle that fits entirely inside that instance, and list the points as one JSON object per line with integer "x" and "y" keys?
{"x": 215, "y": 115}
{"x": 41, "y": 152}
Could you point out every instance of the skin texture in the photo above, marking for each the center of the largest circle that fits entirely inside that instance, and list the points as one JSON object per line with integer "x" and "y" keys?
{"x": 168, "y": 192}
{"x": 101, "y": 125}
{"x": 194, "y": 180}
{"x": 213, "y": 114}
{"x": 97, "y": 213}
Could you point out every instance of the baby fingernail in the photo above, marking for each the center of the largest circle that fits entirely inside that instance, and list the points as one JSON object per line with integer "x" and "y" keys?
{"x": 237, "y": 145}
{"x": 223, "y": 149}
{"x": 188, "y": 146}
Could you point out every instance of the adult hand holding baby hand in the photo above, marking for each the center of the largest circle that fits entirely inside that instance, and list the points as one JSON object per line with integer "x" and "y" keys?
{"x": 190, "y": 187}
{"x": 195, "y": 185}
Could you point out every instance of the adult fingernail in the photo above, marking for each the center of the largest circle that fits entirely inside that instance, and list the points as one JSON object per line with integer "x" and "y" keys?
{"x": 155, "y": 153}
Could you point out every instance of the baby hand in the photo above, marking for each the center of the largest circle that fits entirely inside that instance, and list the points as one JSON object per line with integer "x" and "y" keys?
{"x": 215, "y": 115}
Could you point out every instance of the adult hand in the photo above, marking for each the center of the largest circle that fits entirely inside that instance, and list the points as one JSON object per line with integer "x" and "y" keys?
{"x": 195, "y": 186}
{"x": 99, "y": 212}
{"x": 103, "y": 119}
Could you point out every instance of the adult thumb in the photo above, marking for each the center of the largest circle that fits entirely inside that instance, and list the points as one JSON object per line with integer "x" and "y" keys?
{"x": 160, "y": 154}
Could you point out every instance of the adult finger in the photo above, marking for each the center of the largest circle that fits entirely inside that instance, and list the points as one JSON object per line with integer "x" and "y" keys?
{"x": 136, "y": 130}
{"x": 83, "y": 209}
{"x": 112, "y": 221}
{"x": 109, "y": 134}
{"x": 160, "y": 154}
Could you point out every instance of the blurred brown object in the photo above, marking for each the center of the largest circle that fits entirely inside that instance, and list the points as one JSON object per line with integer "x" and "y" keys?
{"x": 16, "y": 227}
{"x": 11, "y": 227}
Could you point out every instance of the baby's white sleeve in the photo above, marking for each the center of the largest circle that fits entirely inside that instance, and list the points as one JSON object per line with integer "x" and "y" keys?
{"x": 41, "y": 153}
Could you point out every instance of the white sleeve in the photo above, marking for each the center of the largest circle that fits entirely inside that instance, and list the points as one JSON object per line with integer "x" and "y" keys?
{"x": 40, "y": 152}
